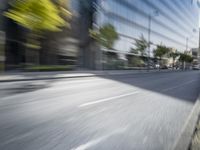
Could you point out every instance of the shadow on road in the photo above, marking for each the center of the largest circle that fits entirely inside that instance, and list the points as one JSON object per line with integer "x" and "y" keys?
{"x": 180, "y": 85}
{"x": 26, "y": 88}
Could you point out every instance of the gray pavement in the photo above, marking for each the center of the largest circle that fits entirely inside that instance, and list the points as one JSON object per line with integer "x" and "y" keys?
{"x": 119, "y": 112}
{"x": 26, "y": 76}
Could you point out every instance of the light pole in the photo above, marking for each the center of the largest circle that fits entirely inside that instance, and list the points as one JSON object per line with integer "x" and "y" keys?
{"x": 187, "y": 41}
{"x": 191, "y": 36}
{"x": 199, "y": 48}
{"x": 99, "y": 22}
{"x": 154, "y": 14}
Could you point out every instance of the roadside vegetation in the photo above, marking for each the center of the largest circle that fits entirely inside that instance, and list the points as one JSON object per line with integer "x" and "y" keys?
{"x": 49, "y": 68}
{"x": 162, "y": 54}
{"x": 38, "y": 17}
{"x": 174, "y": 55}
{"x": 105, "y": 37}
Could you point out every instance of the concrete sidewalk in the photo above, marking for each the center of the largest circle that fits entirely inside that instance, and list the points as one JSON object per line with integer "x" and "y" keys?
{"x": 25, "y": 76}
{"x": 185, "y": 138}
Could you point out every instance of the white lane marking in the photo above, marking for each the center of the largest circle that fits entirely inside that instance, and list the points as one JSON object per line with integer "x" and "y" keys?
{"x": 98, "y": 140}
{"x": 175, "y": 87}
{"x": 108, "y": 99}
{"x": 64, "y": 82}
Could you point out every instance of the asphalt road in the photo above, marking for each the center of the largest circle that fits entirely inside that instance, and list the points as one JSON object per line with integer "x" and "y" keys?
{"x": 122, "y": 112}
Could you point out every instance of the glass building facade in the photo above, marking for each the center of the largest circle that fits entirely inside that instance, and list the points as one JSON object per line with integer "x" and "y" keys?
{"x": 175, "y": 23}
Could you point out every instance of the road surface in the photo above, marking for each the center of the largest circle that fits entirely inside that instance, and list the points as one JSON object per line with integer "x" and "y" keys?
{"x": 121, "y": 112}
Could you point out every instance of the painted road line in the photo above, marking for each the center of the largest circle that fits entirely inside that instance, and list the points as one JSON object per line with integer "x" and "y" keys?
{"x": 178, "y": 86}
{"x": 100, "y": 139}
{"x": 107, "y": 99}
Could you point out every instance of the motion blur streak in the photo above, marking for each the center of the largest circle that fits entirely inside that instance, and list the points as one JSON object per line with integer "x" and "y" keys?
{"x": 94, "y": 142}
{"x": 97, "y": 74}
{"x": 45, "y": 115}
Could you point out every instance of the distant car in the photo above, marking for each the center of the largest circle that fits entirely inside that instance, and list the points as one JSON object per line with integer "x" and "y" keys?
{"x": 157, "y": 66}
{"x": 164, "y": 67}
{"x": 196, "y": 67}
{"x": 151, "y": 67}
{"x": 170, "y": 67}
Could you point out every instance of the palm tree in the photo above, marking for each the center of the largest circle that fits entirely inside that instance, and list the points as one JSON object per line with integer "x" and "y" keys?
{"x": 140, "y": 45}
{"x": 174, "y": 55}
{"x": 185, "y": 58}
{"x": 105, "y": 36}
{"x": 161, "y": 51}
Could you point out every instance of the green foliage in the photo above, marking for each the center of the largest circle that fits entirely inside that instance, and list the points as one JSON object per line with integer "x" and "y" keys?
{"x": 111, "y": 55}
{"x": 134, "y": 51}
{"x": 174, "y": 55}
{"x": 106, "y": 35}
{"x": 36, "y": 15}
{"x": 141, "y": 44}
{"x": 49, "y": 68}
{"x": 114, "y": 64}
{"x": 189, "y": 59}
{"x": 182, "y": 57}
{"x": 161, "y": 51}
{"x": 137, "y": 62}
{"x": 185, "y": 58}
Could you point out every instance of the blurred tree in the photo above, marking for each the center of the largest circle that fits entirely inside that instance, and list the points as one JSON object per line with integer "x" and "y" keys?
{"x": 182, "y": 57}
{"x": 86, "y": 19}
{"x": 141, "y": 44}
{"x": 106, "y": 35}
{"x": 185, "y": 58}
{"x": 112, "y": 55}
{"x": 38, "y": 16}
{"x": 134, "y": 51}
{"x": 189, "y": 59}
{"x": 160, "y": 52}
{"x": 63, "y": 5}
{"x": 173, "y": 55}
{"x": 135, "y": 61}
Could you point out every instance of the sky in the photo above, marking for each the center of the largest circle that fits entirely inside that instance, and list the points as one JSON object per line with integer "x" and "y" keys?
{"x": 176, "y": 21}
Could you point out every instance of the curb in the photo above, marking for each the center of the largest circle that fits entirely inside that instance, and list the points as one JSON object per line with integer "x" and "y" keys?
{"x": 47, "y": 78}
{"x": 106, "y": 73}
{"x": 188, "y": 129}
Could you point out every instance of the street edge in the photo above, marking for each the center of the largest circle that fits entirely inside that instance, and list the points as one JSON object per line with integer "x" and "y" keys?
{"x": 80, "y": 76}
{"x": 47, "y": 78}
{"x": 184, "y": 139}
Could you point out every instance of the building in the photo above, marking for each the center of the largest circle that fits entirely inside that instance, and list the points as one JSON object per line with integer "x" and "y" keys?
{"x": 173, "y": 23}
{"x": 195, "y": 55}
{"x": 14, "y": 49}
{"x": 2, "y": 36}
{"x": 70, "y": 47}
{"x": 56, "y": 48}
